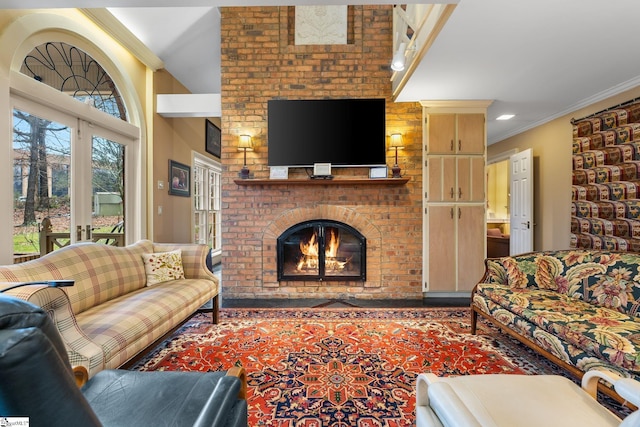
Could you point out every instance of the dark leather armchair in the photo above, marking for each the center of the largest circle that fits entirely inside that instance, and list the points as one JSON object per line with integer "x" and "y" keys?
{"x": 37, "y": 381}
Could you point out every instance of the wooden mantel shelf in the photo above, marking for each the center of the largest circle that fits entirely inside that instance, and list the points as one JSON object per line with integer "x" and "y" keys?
{"x": 335, "y": 181}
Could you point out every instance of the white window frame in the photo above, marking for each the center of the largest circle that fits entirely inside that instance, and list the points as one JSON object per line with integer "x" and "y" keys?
{"x": 33, "y": 29}
{"x": 45, "y": 101}
{"x": 207, "y": 193}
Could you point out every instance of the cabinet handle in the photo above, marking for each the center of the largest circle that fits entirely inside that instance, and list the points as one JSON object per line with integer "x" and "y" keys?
{"x": 459, "y": 213}
{"x": 451, "y": 213}
{"x": 451, "y": 145}
{"x": 459, "y": 192}
{"x": 459, "y": 145}
{"x": 451, "y": 192}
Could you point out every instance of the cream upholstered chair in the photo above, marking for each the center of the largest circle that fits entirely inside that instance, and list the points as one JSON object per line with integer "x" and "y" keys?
{"x": 503, "y": 400}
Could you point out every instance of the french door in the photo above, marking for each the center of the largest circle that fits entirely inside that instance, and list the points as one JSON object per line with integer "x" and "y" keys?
{"x": 69, "y": 175}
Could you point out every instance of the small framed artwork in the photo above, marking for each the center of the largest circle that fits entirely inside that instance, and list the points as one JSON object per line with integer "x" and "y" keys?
{"x": 279, "y": 172}
{"x": 179, "y": 179}
{"x": 213, "y": 139}
{"x": 378, "y": 172}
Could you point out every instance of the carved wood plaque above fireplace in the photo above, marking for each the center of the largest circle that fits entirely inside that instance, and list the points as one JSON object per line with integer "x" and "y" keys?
{"x": 321, "y": 250}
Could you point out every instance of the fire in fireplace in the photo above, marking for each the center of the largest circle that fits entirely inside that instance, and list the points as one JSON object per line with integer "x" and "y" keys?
{"x": 321, "y": 250}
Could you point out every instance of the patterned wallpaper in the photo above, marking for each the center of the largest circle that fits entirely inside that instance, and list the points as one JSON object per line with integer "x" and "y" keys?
{"x": 606, "y": 180}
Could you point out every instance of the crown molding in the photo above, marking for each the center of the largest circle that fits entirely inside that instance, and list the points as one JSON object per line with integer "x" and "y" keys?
{"x": 584, "y": 103}
{"x": 112, "y": 26}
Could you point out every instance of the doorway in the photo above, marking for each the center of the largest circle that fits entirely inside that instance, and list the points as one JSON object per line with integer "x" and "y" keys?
{"x": 510, "y": 201}
{"x": 69, "y": 179}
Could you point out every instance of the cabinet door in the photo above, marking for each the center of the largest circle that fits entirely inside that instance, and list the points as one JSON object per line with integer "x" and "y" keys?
{"x": 471, "y": 134}
{"x": 471, "y": 245}
{"x": 470, "y": 178}
{"x": 442, "y": 248}
{"x": 441, "y": 133}
{"x": 441, "y": 176}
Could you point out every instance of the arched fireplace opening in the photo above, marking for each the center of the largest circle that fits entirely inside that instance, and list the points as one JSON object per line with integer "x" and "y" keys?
{"x": 321, "y": 250}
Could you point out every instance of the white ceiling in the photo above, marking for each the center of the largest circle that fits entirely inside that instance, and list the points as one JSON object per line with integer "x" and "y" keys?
{"x": 536, "y": 59}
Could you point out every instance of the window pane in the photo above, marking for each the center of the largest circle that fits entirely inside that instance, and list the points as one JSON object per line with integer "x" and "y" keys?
{"x": 207, "y": 205}
{"x": 42, "y": 168}
{"x": 107, "y": 158}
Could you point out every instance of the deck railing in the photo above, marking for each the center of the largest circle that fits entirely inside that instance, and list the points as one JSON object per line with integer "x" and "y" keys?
{"x": 50, "y": 241}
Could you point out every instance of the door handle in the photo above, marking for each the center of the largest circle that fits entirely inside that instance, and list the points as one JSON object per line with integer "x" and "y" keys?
{"x": 79, "y": 233}
{"x": 528, "y": 224}
{"x": 88, "y": 232}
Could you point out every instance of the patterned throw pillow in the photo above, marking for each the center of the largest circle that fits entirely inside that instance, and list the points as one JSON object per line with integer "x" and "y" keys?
{"x": 163, "y": 266}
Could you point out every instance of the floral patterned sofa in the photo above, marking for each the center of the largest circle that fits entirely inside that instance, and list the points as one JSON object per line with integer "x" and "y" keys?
{"x": 578, "y": 308}
{"x": 124, "y": 300}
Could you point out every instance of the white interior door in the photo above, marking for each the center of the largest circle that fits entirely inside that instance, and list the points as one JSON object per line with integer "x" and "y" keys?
{"x": 521, "y": 223}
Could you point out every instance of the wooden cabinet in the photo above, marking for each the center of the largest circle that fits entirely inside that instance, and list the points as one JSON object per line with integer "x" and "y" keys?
{"x": 456, "y": 247}
{"x": 455, "y": 178}
{"x": 471, "y": 241}
{"x": 454, "y": 197}
{"x": 456, "y": 134}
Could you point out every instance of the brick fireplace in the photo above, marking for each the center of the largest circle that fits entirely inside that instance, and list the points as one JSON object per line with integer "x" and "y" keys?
{"x": 260, "y": 62}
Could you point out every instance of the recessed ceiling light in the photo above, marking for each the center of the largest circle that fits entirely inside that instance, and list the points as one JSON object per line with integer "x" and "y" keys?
{"x": 505, "y": 117}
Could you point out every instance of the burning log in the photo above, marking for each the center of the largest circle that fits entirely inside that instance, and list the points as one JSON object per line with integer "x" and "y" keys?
{"x": 310, "y": 259}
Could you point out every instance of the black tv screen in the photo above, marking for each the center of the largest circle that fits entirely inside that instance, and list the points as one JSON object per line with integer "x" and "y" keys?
{"x": 343, "y": 132}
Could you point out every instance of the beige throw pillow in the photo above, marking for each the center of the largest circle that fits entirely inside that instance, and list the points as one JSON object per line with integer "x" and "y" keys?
{"x": 163, "y": 266}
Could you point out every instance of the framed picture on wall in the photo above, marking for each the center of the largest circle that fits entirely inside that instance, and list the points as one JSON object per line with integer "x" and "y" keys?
{"x": 179, "y": 179}
{"x": 213, "y": 136}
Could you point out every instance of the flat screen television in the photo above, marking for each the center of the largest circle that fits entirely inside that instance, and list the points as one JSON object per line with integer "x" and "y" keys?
{"x": 343, "y": 132}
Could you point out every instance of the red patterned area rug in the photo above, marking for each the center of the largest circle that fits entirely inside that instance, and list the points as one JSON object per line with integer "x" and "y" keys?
{"x": 339, "y": 367}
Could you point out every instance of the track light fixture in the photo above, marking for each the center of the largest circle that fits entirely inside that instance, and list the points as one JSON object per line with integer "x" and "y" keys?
{"x": 399, "y": 58}
{"x": 397, "y": 64}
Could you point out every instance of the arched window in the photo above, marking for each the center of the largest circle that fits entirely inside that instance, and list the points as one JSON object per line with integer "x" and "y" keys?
{"x": 74, "y": 72}
{"x": 58, "y": 198}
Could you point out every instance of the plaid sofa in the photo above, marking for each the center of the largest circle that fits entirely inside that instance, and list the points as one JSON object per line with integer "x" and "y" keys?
{"x": 579, "y": 308}
{"x": 110, "y": 315}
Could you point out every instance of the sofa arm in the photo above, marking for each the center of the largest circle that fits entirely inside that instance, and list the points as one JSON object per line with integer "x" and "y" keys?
{"x": 627, "y": 388}
{"x": 194, "y": 259}
{"x": 437, "y": 404}
{"x": 55, "y": 302}
{"x": 222, "y": 404}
